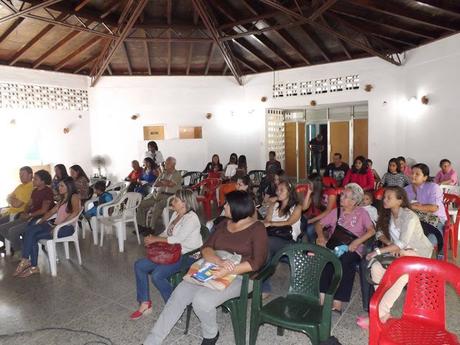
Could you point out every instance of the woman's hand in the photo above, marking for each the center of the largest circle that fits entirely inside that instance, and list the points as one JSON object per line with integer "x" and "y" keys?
{"x": 220, "y": 272}
{"x": 353, "y": 245}
{"x": 149, "y": 240}
{"x": 228, "y": 265}
{"x": 321, "y": 241}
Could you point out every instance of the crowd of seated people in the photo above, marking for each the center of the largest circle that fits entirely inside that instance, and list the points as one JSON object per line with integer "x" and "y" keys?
{"x": 402, "y": 224}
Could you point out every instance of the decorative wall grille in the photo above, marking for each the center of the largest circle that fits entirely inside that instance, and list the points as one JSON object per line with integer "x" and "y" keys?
{"x": 320, "y": 86}
{"x": 25, "y": 96}
{"x": 275, "y": 132}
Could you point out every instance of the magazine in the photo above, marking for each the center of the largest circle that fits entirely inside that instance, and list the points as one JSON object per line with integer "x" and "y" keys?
{"x": 201, "y": 272}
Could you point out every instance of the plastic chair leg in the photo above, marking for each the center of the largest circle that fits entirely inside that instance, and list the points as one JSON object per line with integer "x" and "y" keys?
{"x": 51, "y": 248}
{"x": 253, "y": 331}
{"x": 102, "y": 228}
{"x": 120, "y": 236}
{"x": 66, "y": 249}
{"x": 187, "y": 318}
{"x": 7, "y": 247}
{"x": 136, "y": 228}
{"x": 94, "y": 228}
{"x": 279, "y": 331}
{"x": 77, "y": 249}
{"x": 83, "y": 227}
{"x": 240, "y": 337}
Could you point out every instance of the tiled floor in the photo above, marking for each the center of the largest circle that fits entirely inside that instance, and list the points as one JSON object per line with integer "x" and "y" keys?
{"x": 100, "y": 295}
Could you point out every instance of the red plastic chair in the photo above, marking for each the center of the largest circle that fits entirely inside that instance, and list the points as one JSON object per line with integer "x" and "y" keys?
{"x": 378, "y": 194}
{"x": 209, "y": 187}
{"x": 302, "y": 188}
{"x": 423, "y": 318}
{"x": 451, "y": 229}
{"x": 329, "y": 182}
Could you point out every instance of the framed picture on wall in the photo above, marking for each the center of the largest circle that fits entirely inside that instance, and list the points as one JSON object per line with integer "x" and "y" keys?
{"x": 156, "y": 132}
{"x": 190, "y": 133}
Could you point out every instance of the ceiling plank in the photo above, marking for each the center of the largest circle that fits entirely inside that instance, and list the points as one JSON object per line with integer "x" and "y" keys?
{"x": 85, "y": 63}
{"x": 131, "y": 13}
{"x": 247, "y": 64}
{"x": 147, "y": 55}
{"x": 82, "y": 4}
{"x": 124, "y": 48}
{"x": 76, "y": 52}
{"x": 245, "y": 47}
{"x": 54, "y": 48}
{"x": 400, "y": 12}
{"x": 27, "y": 10}
{"x": 169, "y": 21}
{"x": 308, "y": 31}
{"x": 209, "y": 58}
{"x": 109, "y": 69}
{"x": 446, "y": 7}
{"x": 223, "y": 46}
{"x": 10, "y": 29}
{"x": 321, "y": 9}
{"x": 189, "y": 59}
{"x": 335, "y": 33}
{"x": 33, "y": 41}
{"x": 110, "y": 8}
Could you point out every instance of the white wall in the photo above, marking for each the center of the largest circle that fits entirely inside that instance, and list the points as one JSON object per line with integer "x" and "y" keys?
{"x": 37, "y": 137}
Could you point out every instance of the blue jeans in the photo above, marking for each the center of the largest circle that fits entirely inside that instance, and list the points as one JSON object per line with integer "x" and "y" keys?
{"x": 316, "y": 161}
{"x": 160, "y": 278}
{"x": 274, "y": 245}
{"x": 308, "y": 229}
{"x": 37, "y": 232}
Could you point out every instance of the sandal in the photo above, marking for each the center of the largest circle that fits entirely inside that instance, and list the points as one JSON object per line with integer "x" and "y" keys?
{"x": 24, "y": 264}
{"x": 29, "y": 271}
{"x": 338, "y": 311}
{"x": 138, "y": 314}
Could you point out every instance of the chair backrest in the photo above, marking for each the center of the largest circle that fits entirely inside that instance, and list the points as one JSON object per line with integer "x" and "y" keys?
{"x": 191, "y": 178}
{"x": 302, "y": 188}
{"x": 307, "y": 262}
{"x": 204, "y": 231}
{"x": 425, "y": 296}
{"x": 329, "y": 181}
{"x": 450, "y": 189}
{"x": 208, "y": 186}
{"x": 131, "y": 200}
{"x": 256, "y": 176}
{"x": 119, "y": 187}
{"x": 378, "y": 194}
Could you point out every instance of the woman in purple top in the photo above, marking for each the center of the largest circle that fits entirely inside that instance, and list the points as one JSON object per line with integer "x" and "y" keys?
{"x": 447, "y": 175}
{"x": 356, "y": 220}
{"x": 426, "y": 197}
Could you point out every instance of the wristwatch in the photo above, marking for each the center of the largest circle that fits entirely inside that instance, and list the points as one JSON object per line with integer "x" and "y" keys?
{"x": 377, "y": 250}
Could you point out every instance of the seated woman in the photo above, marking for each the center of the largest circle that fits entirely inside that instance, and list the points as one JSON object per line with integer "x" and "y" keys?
{"x": 154, "y": 153}
{"x": 242, "y": 168}
{"x": 41, "y": 201}
{"x": 316, "y": 205}
{"x": 404, "y": 167}
{"x": 356, "y": 220}
{"x": 103, "y": 197}
{"x": 230, "y": 168}
{"x": 214, "y": 167}
{"x": 81, "y": 181}
{"x": 68, "y": 207}
{"x": 360, "y": 174}
{"x": 402, "y": 234}
{"x": 184, "y": 229}
{"x": 60, "y": 173}
{"x": 394, "y": 176}
{"x": 240, "y": 234}
{"x": 426, "y": 200}
{"x": 134, "y": 176}
{"x": 148, "y": 177}
{"x": 447, "y": 174}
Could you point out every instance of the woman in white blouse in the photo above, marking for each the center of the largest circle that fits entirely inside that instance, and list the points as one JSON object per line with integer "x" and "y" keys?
{"x": 399, "y": 229}
{"x": 184, "y": 229}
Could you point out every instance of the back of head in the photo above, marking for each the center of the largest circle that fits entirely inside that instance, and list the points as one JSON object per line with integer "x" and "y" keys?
{"x": 241, "y": 205}
{"x": 44, "y": 176}
{"x": 100, "y": 186}
{"x": 79, "y": 170}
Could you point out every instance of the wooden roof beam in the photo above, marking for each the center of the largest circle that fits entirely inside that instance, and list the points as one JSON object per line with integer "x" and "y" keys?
{"x": 189, "y": 59}
{"x": 447, "y": 7}
{"x": 124, "y": 48}
{"x": 407, "y": 14}
{"x": 10, "y": 29}
{"x": 245, "y": 47}
{"x": 85, "y": 63}
{"x": 316, "y": 41}
{"x": 223, "y": 46}
{"x": 82, "y": 4}
{"x": 335, "y": 33}
{"x": 209, "y": 58}
{"x": 110, "y": 8}
{"x": 25, "y": 11}
{"x": 54, "y": 48}
{"x": 76, "y": 52}
{"x": 147, "y": 55}
{"x": 131, "y": 13}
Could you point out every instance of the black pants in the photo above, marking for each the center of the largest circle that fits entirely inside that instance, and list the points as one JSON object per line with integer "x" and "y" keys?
{"x": 348, "y": 261}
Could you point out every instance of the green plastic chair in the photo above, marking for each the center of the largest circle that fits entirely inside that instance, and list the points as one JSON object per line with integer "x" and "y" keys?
{"x": 300, "y": 310}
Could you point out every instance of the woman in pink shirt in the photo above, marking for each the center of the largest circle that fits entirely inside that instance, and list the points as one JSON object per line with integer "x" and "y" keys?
{"x": 360, "y": 174}
{"x": 67, "y": 208}
{"x": 403, "y": 167}
{"x": 447, "y": 174}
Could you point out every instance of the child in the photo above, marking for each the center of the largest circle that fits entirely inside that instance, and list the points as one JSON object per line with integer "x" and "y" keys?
{"x": 103, "y": 197}
{"x": 394, "y": 176}
{"x": 367, "y": 205}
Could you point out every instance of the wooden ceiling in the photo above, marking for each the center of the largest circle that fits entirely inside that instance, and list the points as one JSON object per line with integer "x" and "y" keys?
{"x": 213, "y": 37}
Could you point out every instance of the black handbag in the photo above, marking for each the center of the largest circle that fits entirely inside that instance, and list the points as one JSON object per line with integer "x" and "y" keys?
{"x": 340, "y": 235}
{"x": 284, "y": 232}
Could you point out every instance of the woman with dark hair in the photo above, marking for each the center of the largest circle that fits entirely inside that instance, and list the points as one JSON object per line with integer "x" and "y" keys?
{"x": 230, "y": 167}
{"x": 316, "y": 205}
{"x": 403, "y": 167}
{"x": 214, "y": 165}
{"x": 154, "y": 153}
{"x": 40, "y": 202}
{"x": 360, "y": 174}
{"x": 81, "y": 181}
{"x": 60, "y": 173}
{"x": 447, "y": 175}
{"x": 242, "y": 168}
{"x": 426, "y": 200}
{"x": 240, "y": 234}
{"x": 148, "y": 177}
{"x": 394, "y": 176}
{"x": 399, "y": 229}
{"x": 68, "y": 207}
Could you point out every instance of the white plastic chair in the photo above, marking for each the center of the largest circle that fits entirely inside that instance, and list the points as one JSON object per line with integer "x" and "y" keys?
{"x": 117, "y": 215}
{"x": 119, "y": 187}
{"x": 450, "y": 189}
{"x": 166, "y": 211}
{"x": 94, "y": 222}
{"x": 7, "y": 242}
{"x": 51, "y": 244}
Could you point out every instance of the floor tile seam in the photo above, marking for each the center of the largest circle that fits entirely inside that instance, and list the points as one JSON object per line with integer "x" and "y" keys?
{"x": 344, "y": 312}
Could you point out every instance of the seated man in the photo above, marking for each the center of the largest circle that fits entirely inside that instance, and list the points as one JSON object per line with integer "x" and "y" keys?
{"x": 18, "y": 201}
{"x": 337, "y": 169}
{"x": 166, "y": 185}
{"x": 134, "y": 176}
{"x": 272, "y": 166}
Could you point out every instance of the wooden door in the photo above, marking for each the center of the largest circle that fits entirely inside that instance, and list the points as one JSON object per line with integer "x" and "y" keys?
{"x": 360, "y": 138}
{"x": 301, "y": 139}
{"x": 340, "y": 139}
{"x": 290, "y": 148}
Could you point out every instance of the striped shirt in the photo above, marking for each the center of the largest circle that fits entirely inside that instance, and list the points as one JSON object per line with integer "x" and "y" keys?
{"x": 398, "y": 179}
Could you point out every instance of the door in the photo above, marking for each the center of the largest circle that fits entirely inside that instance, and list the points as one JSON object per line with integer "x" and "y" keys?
{"x": 340, "y": 139}
{"x": 360, "y": 137}
{"x": 295, "y": 145}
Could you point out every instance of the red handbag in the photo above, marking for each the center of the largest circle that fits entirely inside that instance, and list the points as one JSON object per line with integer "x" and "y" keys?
{"x": 164, "y": 253}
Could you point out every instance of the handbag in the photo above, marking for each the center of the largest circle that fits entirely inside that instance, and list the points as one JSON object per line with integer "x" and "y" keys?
{"x": 340, "y": 235}
{"x": 284, "y": 232}
{"x": 164, "y": 253}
